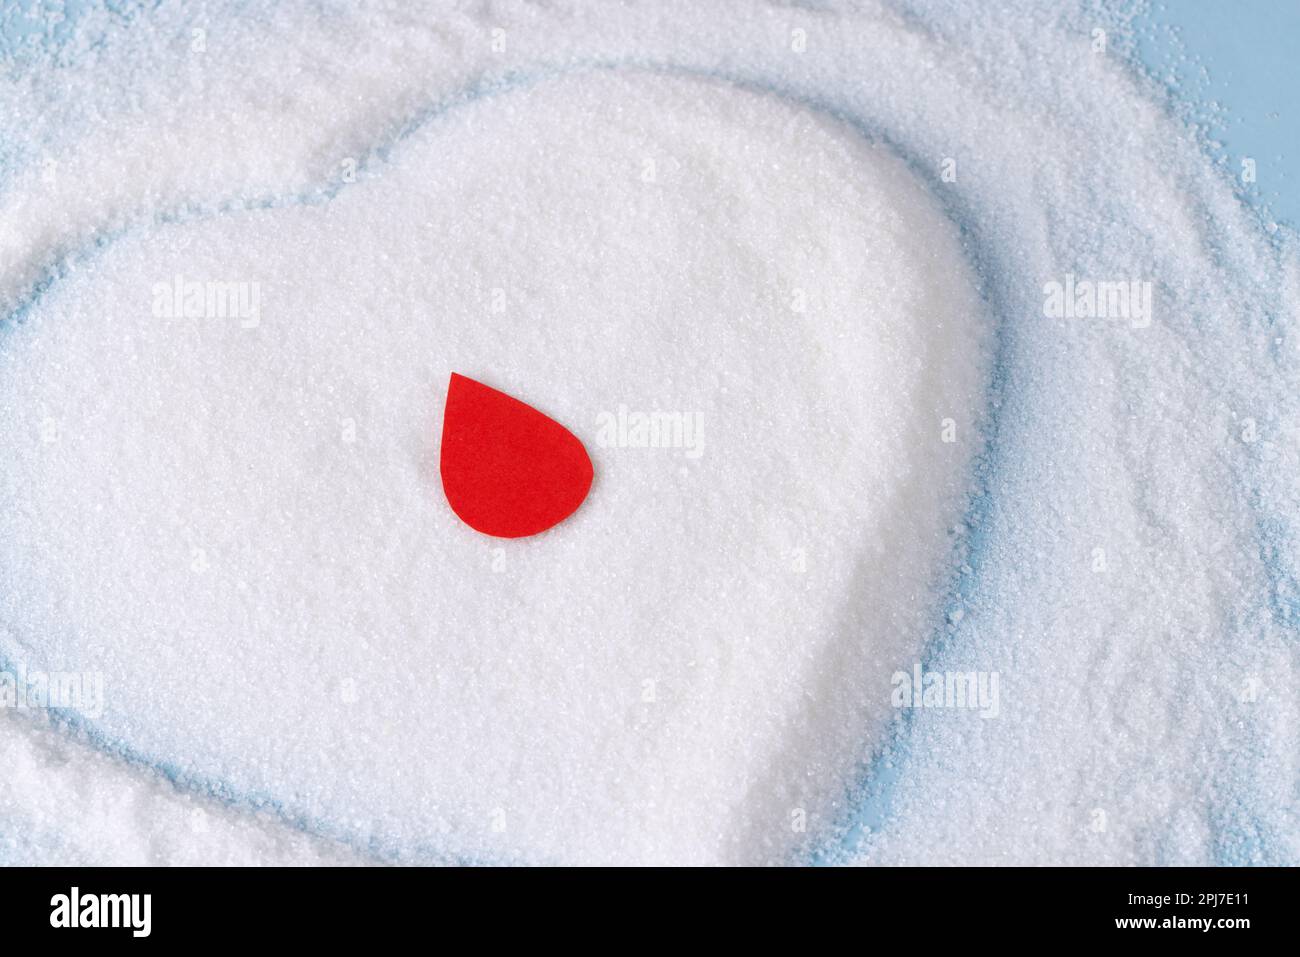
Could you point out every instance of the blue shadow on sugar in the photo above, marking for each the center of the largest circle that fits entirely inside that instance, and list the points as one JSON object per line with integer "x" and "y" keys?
{"x": 1238, "y": 59}
{"x": 1232, "y": 68}
{"x": 1252, "y": 69}
{"x": 871, "y": 794}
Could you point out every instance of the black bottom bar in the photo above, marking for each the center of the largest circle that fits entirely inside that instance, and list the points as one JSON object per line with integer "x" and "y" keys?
{"x": 928, "y": 907}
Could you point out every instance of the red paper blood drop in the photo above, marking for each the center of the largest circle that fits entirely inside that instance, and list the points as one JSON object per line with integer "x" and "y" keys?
{"x": 508, "y": 470}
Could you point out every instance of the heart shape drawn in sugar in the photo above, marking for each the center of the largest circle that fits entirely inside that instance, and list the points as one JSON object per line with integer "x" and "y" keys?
{"x": 760, "y": 325}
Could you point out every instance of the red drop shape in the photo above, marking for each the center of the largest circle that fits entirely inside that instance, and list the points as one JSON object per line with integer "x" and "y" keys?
{"x": 508, "y": 470}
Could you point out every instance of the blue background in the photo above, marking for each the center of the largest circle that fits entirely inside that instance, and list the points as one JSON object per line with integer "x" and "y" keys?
{"x": 1248, "y": 50}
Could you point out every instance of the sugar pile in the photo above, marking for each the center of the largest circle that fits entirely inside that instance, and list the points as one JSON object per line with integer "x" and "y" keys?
{"x": 239, "y": 522}
{"x": 824, "y": 234}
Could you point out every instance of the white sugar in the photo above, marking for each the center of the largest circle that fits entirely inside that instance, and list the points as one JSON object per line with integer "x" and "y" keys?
{"x": 242, "y": 262}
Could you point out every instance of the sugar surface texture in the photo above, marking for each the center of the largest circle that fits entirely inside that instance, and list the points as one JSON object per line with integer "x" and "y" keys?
{"x": 240, "y": 523}
{"x": 825, "y": 232}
